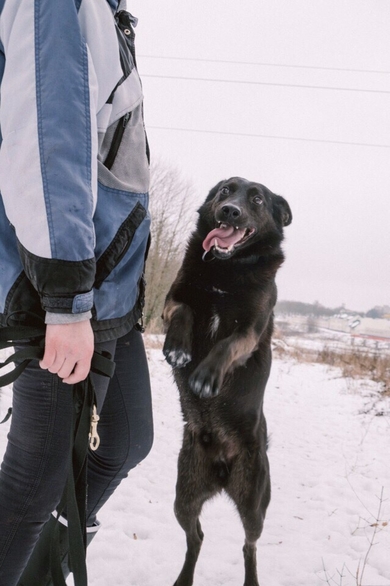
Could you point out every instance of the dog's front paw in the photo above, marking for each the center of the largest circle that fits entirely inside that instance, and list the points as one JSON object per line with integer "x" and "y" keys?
{"x": 205, "y": 382}
{"x": 177, "y": 358}
{"x": 176, "y": 354}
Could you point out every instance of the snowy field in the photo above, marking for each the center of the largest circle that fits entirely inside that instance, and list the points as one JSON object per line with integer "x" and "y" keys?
{"x": 328, "y": 522}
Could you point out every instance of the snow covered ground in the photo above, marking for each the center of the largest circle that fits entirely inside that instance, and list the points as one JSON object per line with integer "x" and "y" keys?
{"x": 328, "y": 522}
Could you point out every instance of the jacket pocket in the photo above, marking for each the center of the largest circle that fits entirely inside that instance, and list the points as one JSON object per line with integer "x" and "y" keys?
{"x": 119, "y": 245}
{"x": 123, "y": 154}
{"x": 116, "y": 140}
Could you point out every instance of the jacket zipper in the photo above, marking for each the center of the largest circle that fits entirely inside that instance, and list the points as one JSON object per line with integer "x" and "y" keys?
{"x": 116, "y": 140}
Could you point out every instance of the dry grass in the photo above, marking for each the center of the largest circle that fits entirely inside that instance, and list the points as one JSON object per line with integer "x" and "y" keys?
{"x": 357, "y": 363}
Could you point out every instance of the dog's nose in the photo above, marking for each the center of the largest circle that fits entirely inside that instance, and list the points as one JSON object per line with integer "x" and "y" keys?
{"x": 231, "y": 212}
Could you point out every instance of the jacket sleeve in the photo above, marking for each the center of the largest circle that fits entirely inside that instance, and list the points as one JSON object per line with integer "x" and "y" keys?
{"x": 48, "y": 157}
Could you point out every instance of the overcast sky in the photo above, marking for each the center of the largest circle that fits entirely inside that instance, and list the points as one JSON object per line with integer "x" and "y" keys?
{"x": 242, "y": 114}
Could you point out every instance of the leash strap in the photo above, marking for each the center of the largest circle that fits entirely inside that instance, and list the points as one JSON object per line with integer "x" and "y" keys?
{"x": 74, "y": 499}
{"x": 12, "y": 335}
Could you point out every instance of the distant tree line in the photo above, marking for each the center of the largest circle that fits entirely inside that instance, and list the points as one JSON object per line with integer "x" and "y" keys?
{"x": 317, "y": 310}
{"x": 308, "y": 309}
{"x": 379, "y": 311}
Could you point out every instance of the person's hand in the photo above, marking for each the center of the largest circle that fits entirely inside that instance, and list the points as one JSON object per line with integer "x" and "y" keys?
{"x": 68, "y": 351}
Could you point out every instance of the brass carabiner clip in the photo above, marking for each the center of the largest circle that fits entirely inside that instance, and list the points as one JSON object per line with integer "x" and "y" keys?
{"x": 94, "y": 439}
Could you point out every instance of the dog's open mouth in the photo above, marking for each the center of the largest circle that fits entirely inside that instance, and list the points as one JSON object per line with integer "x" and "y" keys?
{"x": 225, "y": 239}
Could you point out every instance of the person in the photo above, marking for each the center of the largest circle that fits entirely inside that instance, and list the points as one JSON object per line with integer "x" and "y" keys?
{"x": 74, "y": 229}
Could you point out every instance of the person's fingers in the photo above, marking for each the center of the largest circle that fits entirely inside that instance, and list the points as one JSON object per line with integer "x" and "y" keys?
{"x": 68, "y": 350}
{"x": 49, "y": 357}
{"x": 67, "y": 367}
{"x": 58, "y": 365}
{"x": 79, "y": 373}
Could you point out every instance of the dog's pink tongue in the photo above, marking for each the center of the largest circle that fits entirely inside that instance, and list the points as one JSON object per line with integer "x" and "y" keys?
{"x": 225, "y": 237}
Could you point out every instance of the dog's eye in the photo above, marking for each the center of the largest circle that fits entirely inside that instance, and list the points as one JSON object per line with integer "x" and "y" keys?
{"x": 258, "y": 200}
{"x": 225, "y": 190}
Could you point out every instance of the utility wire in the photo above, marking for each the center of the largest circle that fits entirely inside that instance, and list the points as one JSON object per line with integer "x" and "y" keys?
{"x": 313, "y": 87}
{"x": 272, "y": 136}
{"x": 259, "y": 63}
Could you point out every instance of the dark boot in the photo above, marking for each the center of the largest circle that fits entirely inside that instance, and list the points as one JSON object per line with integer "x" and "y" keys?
{"x": 37, "y": 572}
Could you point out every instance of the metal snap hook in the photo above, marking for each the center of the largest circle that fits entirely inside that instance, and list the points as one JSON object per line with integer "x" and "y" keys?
{"x": 94, "y": 439}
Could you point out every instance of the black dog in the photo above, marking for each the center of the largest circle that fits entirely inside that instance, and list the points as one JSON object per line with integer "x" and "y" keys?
{"x": 218, "y": 317}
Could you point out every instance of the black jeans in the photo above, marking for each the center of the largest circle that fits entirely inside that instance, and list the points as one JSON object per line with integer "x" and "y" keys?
{"x": 34, "y": 469}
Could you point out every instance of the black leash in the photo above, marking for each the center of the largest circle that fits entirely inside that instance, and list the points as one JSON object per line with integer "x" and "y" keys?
{"x": 74, "y": 499}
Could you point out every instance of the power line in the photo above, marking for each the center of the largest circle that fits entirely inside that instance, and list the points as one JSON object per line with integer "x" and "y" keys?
{"x": 292, "y": 85}
{"x": 271, "y": 136}
{"x": 264, "y": 64}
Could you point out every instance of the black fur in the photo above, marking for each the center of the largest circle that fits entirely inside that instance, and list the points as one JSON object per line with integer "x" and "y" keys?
{"x": 221, "y": 364}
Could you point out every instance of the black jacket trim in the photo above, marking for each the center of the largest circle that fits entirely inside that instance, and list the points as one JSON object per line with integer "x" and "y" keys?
{"x": 58, "y": 280}
{"x": 125, "y": 33}
{"x": 77, "y": 304}
{"x": 111, "y": 329}
{"x": 119, "y": 245}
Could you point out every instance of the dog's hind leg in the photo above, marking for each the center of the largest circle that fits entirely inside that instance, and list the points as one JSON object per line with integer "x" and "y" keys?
{"x": 250, "y": 490}
{"x": 194, "y": 487}
{"x": 194, "y": 535}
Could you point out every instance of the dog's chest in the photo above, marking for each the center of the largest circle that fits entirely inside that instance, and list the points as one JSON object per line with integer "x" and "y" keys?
{"x": 216, "y": 311}
{"x": 215, "y": 322}
{"x": 221, "y": 315}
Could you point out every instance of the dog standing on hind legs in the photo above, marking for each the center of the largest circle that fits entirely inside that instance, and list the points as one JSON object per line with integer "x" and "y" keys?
{"x": 218, "y": 318}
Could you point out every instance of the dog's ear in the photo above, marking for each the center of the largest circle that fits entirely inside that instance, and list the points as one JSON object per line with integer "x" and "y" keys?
{"x": 282, "y": 210}
{"x": 210, "y": 196}
{"x": 214, "y": 191}
{"x": 206, "y": 216}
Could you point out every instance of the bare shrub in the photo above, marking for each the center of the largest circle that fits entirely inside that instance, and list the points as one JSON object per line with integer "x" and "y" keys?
{"x": 172, "y": 210}
{"x": 374, "y": 527}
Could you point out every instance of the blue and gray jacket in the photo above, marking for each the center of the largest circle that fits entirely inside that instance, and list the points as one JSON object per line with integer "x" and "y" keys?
{"x": 74, "y": 165}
